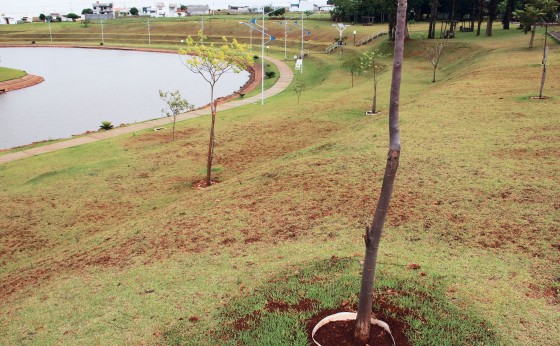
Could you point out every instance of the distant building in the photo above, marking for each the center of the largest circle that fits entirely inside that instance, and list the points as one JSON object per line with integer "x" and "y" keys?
{"x": 239, "y": 9}
{"x": 162, "y": 9}
{"x": 301, "y": 6}
{"x": 7, "y": 19}
{"x": 102, "y": 10}
{"x": 323, "y": 8}
{"x": 197, "y": 10}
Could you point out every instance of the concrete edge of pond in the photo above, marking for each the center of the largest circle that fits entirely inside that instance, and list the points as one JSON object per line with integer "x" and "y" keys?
{"x": 26, "y": 81}
{"x": 286, "y": 76}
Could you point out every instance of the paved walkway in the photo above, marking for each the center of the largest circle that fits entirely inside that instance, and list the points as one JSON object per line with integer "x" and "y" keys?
{"x": 286, "y": 76}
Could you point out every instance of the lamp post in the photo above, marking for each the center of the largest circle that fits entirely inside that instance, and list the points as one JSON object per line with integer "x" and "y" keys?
{"x": 267, "y": 50}
{"x": 354, "y": 38}
{"x": 50, "y": 32}
{"x": 149, "y": 32}
{"x": 102, "y": 33}
{"x": 262, "y": 60}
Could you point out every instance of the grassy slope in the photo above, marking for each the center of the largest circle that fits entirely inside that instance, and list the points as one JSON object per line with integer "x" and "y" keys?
{"x": 10, "y": 73}
{"x": 86, "y": 231}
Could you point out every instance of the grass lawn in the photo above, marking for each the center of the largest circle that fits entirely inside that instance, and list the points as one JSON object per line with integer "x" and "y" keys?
{"x": 110, "y": 243}
{"x": 10, "y": 73}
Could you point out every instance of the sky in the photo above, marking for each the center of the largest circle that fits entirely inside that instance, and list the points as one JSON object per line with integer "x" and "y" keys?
{"x": 36, "y": 7}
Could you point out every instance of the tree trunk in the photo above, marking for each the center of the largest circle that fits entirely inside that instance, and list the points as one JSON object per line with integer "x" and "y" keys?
{"x": 433, "y": 17}
{"x": 492, "y": 5}
{"x": 174, "y": 121}
{"x": 510, "y": 5}
{"x": 213, "y": 105}
{"x": 373, "y": 234}
{"x": 533, "y": 29}
{"x": 374, "y": 101}
{"x": 480, "y": 16}
{"x": 434, "y": 79}
{"x": 543, "y": 78}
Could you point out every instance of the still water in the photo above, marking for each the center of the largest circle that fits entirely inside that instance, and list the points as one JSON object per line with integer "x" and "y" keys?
{"x": 84, "y": 87}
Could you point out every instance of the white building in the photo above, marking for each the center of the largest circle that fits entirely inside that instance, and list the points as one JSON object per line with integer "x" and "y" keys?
{"x": 301, "y": 6}
{"x": 197, "y": 10}
{"x": 6, "y": 19}
{"x": 103, "y": 10}
{"x": 161, "y": 9}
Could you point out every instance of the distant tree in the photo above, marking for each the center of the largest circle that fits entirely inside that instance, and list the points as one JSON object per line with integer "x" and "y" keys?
{"x": 175, "y": 104}
{"x": 370, "y": 63}
{"x": 534, "y": 12}
{"x": 480, "y": 16}
{"x": 72, "y": 16}
{"x": 506, "y": 17}
{"x": 308, "y": 13}
{"x": 298, "y": 88}
{"x": 133, "y": 11}
{"x": 49, "y": 18}
{"x": 87, "y": 11}
{"x": 434, "y": 53}
{"x": 183, "y": 7}
{"x": 86, "y": 23}
{"x": 42, "y": 17}
{"x": 211, "y": 63}
{"x": 433, "y": 17}
{"x": 352, "y": 64}
{"x": 492, "y": 7}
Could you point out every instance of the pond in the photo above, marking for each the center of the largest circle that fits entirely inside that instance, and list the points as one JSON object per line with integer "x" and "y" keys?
{"x": 84, "y": 87}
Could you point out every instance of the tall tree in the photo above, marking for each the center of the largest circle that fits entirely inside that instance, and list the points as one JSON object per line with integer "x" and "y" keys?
{"x": 492, "y": 6}
{"x": 212, "y": 63}
{"x": 373, "y": 233}
{"x": 480, "y": 16}
{"x": 133, "y": 11}
{"x": 433, "y": 17}
{"x": 506, "y": 18}
{"x": 87, "y": 11}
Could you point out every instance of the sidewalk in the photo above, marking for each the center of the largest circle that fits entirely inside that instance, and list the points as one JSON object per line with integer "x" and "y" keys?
{"x": 286, "y": 76}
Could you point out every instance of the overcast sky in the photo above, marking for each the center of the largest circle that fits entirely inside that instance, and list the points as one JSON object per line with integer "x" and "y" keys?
{"x": 35, "y": 7}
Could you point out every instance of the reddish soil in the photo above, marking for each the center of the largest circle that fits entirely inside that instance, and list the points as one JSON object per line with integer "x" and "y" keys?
{"x": 20, "y": 83}
{"x": 340, "y": 333}
{"x": 344, "y": 334}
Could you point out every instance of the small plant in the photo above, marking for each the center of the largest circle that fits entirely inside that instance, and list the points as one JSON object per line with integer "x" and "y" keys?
{"x": 255, "y": 57}
{"x": 176, "y": 105}
{"x": 106, "y": 125}
{"x": 100, "y": 43}
{"x": 241, "y": 95}
{"x": 32, "y": 42}
{"x": 298, "y": 88}
{"x": 270, "y": 74}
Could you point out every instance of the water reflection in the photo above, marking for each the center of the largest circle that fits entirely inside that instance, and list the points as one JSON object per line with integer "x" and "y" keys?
{"x": 86, "y": 86}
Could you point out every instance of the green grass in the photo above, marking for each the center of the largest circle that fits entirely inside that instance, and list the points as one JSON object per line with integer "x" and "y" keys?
{"x": 10, "y": 73}
{"x": 87, "y": 232}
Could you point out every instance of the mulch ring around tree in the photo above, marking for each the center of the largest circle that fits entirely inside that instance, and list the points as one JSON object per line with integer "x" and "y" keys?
{"x": 201, "y": 184}
{"x": 341, "y": 333}
{"x": 539, "y": 98}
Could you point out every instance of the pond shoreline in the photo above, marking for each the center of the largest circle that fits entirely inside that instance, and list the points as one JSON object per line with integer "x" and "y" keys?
{"x": 19, "y": 83}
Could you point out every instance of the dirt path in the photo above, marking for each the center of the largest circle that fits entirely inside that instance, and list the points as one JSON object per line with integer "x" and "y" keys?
{"x": 20, "y": 83}
{"x": 286, "y": 76}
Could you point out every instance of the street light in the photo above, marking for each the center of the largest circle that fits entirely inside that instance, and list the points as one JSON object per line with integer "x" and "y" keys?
{"x": 354, "y": 38}
{"x": 250, "y": 35}
{"x": 267, "y": 50}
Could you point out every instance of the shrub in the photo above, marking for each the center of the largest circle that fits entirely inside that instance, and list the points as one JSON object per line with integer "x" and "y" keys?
{"x": 270, "y": 74}
{"x": 106, "y": 125}
{"x": 255, "y": 57}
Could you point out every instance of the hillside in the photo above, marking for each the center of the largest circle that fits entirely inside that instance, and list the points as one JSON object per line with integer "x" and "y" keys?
{"x": 110, "y": 242}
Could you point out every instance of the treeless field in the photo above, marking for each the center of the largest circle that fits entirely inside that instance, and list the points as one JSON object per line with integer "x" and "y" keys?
{"x": 110, "y": 241}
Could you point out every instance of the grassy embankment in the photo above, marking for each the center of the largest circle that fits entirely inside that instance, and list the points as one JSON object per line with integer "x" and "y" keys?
{"x": 109, "y": 242}
{"x": 10, "y": 73}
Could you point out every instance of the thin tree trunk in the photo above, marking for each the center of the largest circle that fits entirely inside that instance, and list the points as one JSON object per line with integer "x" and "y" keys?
{"x": 211, "y": 143}
{"x": 434, "y": 79}
{"x": 533, "y": 29}
{"x": 543, "y": 78}
{"x": 373, "y": 234}
{"x": 480, "y": 16}
{"x": 174, "y": 121}
{"x": 374, "y": 101}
